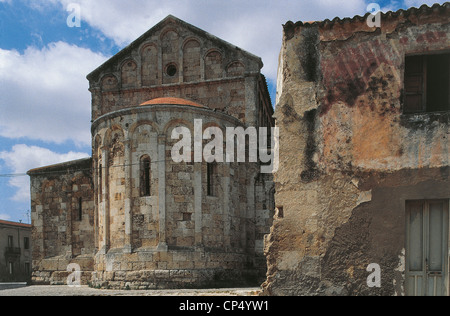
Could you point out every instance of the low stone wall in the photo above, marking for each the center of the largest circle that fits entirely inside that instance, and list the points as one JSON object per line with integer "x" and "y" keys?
{"x": 54, "y": 271}
{"x": 174, "y": 269}
{"x": 144, "y": 270}
{"x": 172, "y": 279}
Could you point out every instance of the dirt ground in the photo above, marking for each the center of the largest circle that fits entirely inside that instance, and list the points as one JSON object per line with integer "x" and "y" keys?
{"x": 63, "y": 290}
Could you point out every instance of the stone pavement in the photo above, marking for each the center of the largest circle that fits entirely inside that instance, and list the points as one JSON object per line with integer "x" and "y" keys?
{"x": 63, "y": 290}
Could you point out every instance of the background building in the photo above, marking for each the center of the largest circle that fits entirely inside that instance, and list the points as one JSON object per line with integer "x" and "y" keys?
{"x": 132, "y": 217}
{"x": 15, "y": 252}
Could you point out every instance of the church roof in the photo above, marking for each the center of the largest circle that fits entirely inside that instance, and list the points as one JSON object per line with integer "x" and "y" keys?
{"x": 15, "y": 224}
{"x": 171, "y": 100}
{"x": 170, "y": 19}
{"x": 83, "y": 164}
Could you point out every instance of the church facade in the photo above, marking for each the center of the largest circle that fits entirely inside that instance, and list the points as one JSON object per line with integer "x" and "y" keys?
{"x": 131, "y": 216}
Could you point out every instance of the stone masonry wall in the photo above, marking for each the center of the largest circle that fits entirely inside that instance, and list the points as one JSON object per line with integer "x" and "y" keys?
{"x": 175, "y": 59}
{"x": 201, "y": 236}
{"x": 62, "y": 214}
{"x": 131, "y": 216}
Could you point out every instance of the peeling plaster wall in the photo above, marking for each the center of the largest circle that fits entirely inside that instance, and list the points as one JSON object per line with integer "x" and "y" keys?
{"x": 349, "y": 157}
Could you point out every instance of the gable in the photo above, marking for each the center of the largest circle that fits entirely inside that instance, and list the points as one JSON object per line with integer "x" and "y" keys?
{"x": 176, "y": 59}
{"x": 166, "y": 40}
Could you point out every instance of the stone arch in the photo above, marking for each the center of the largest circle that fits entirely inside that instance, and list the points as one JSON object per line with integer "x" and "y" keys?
{"x": 108, "y": 134}
{"x": 128, "y": 71}
{"x": 175, "y": 122}
{"x": 109, "y": 82}
{"x": 191, "y": 60}
{"x": 142, "y": 140}
{"x": 235, "y": 69}
{"x": 213, "y": 64}
{"x": 149, "y": 64}
{"x": 132, "y": 128}
{"x": 189, "y": 39}
{"x": 114, "y": 141}
{"x": 97, "y": 142}
{"x": 166, "y": 31}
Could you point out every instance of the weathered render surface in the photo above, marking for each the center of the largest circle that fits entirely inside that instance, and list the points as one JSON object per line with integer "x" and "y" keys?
{"x": 149, "y": 221}
{"x": 349, "y": 156}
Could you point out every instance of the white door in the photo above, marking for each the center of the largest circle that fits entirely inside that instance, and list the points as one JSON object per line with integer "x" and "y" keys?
{"x": 427, "y": 248}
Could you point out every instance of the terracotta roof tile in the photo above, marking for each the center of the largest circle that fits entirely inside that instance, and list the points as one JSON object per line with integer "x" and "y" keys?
{"x": 15, "y": 224}
{"x": 171, "y": 100}
{"x": 423, "y": 9}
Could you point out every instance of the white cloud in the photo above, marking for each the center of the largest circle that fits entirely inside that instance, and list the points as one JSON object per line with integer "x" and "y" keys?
{"x": 23, "y": 158}
{"x": 254, "y": 25}
{"x": 44, "y": 93}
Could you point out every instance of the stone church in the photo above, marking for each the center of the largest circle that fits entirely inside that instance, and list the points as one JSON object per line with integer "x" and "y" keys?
{"x": 132, "y": 217}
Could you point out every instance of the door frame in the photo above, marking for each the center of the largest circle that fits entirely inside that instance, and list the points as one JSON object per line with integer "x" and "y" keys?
{"x": 425, "y": 249}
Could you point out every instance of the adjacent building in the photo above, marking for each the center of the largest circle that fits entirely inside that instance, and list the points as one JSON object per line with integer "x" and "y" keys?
{"x": 15, "y": 252}
{"x": 363, "y": 188}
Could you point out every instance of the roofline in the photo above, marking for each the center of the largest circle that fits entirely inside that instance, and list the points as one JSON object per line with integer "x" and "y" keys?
{"x": 62, "y": 167}
{"x": 172, "y": 100}
{"x": 15, "y": 224}
{"x": 164, "y": 107}
{"x": 141, "y": 38}
{"x": 388, "y": 14}
{"x": 266, "y": 89}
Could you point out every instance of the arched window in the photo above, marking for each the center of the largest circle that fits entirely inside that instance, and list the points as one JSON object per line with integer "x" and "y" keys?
{"x": 145, "y": 176}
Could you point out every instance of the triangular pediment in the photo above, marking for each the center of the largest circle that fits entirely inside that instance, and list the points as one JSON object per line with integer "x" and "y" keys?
{"x": 160, "y": 28}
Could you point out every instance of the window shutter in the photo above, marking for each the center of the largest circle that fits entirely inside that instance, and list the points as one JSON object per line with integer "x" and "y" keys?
{"x": 414, "y": 84}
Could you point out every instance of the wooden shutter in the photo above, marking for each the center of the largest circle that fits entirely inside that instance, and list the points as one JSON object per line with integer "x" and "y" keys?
{"x": 415, "y": 79}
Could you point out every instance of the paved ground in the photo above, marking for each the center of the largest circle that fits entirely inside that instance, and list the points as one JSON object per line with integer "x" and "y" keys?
{"x": 63, "y": 290}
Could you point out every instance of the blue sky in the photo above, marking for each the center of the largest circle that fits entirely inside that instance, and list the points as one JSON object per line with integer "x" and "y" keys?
{"x": 44, "y": 97}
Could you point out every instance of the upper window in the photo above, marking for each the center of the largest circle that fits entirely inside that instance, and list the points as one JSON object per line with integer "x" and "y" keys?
{"x": 427, "y": 82}
{"x": 171, "y": 70}
{"x": 80, "y": 209}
